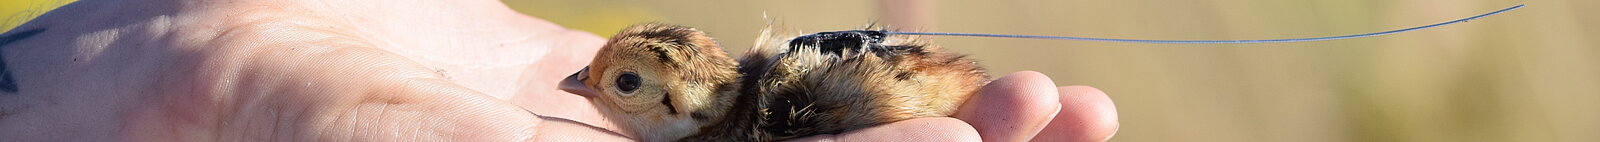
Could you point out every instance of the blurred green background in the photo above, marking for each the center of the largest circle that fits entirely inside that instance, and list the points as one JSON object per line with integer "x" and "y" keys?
{"x": 1527, "y": 75}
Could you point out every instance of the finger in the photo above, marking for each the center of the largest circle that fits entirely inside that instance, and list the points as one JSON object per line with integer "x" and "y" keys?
{"x": 564, "y": 130}
{"x": 919, "y": 129}
{"x": 1013, "y": 108}
{"x": 1087, "y": 115}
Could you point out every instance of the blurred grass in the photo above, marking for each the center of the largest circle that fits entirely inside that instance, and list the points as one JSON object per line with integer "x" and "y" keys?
{"x": 1527, "y": 75}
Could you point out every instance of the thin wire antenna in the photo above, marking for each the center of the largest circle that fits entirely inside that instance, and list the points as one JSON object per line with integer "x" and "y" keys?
{"x": 1211, "y": 41}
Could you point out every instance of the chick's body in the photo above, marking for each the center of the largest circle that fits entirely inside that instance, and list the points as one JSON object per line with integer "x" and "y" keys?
{"x": 823, "y": 83}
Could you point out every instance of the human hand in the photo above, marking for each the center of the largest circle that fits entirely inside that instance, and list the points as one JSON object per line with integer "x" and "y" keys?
{"x": 166, "y": 70}
{"x": 330, "y": 70}
{"x": 1020, "y": 106}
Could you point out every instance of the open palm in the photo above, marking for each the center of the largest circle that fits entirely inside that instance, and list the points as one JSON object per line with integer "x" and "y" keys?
{"x": 473, "y": 70}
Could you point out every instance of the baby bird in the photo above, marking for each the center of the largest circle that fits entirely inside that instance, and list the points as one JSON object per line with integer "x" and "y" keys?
{"x": 665, "y": 83}
{"x": 662, "y": 82}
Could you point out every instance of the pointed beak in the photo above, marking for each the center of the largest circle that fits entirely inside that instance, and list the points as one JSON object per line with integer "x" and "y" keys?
{"x": 574, "y": 84}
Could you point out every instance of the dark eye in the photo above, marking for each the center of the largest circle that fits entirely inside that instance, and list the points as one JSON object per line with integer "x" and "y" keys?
{"x": 628, "y": 82}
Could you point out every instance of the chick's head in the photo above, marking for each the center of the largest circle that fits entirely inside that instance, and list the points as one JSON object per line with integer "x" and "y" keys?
{"x": 660, "y": 81}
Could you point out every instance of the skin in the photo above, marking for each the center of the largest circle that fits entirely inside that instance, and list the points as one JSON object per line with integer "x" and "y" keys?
{"x": 368, "y": 70}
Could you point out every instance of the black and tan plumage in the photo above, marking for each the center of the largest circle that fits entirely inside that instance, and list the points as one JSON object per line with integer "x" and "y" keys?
{"x": 665, "y": 82}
